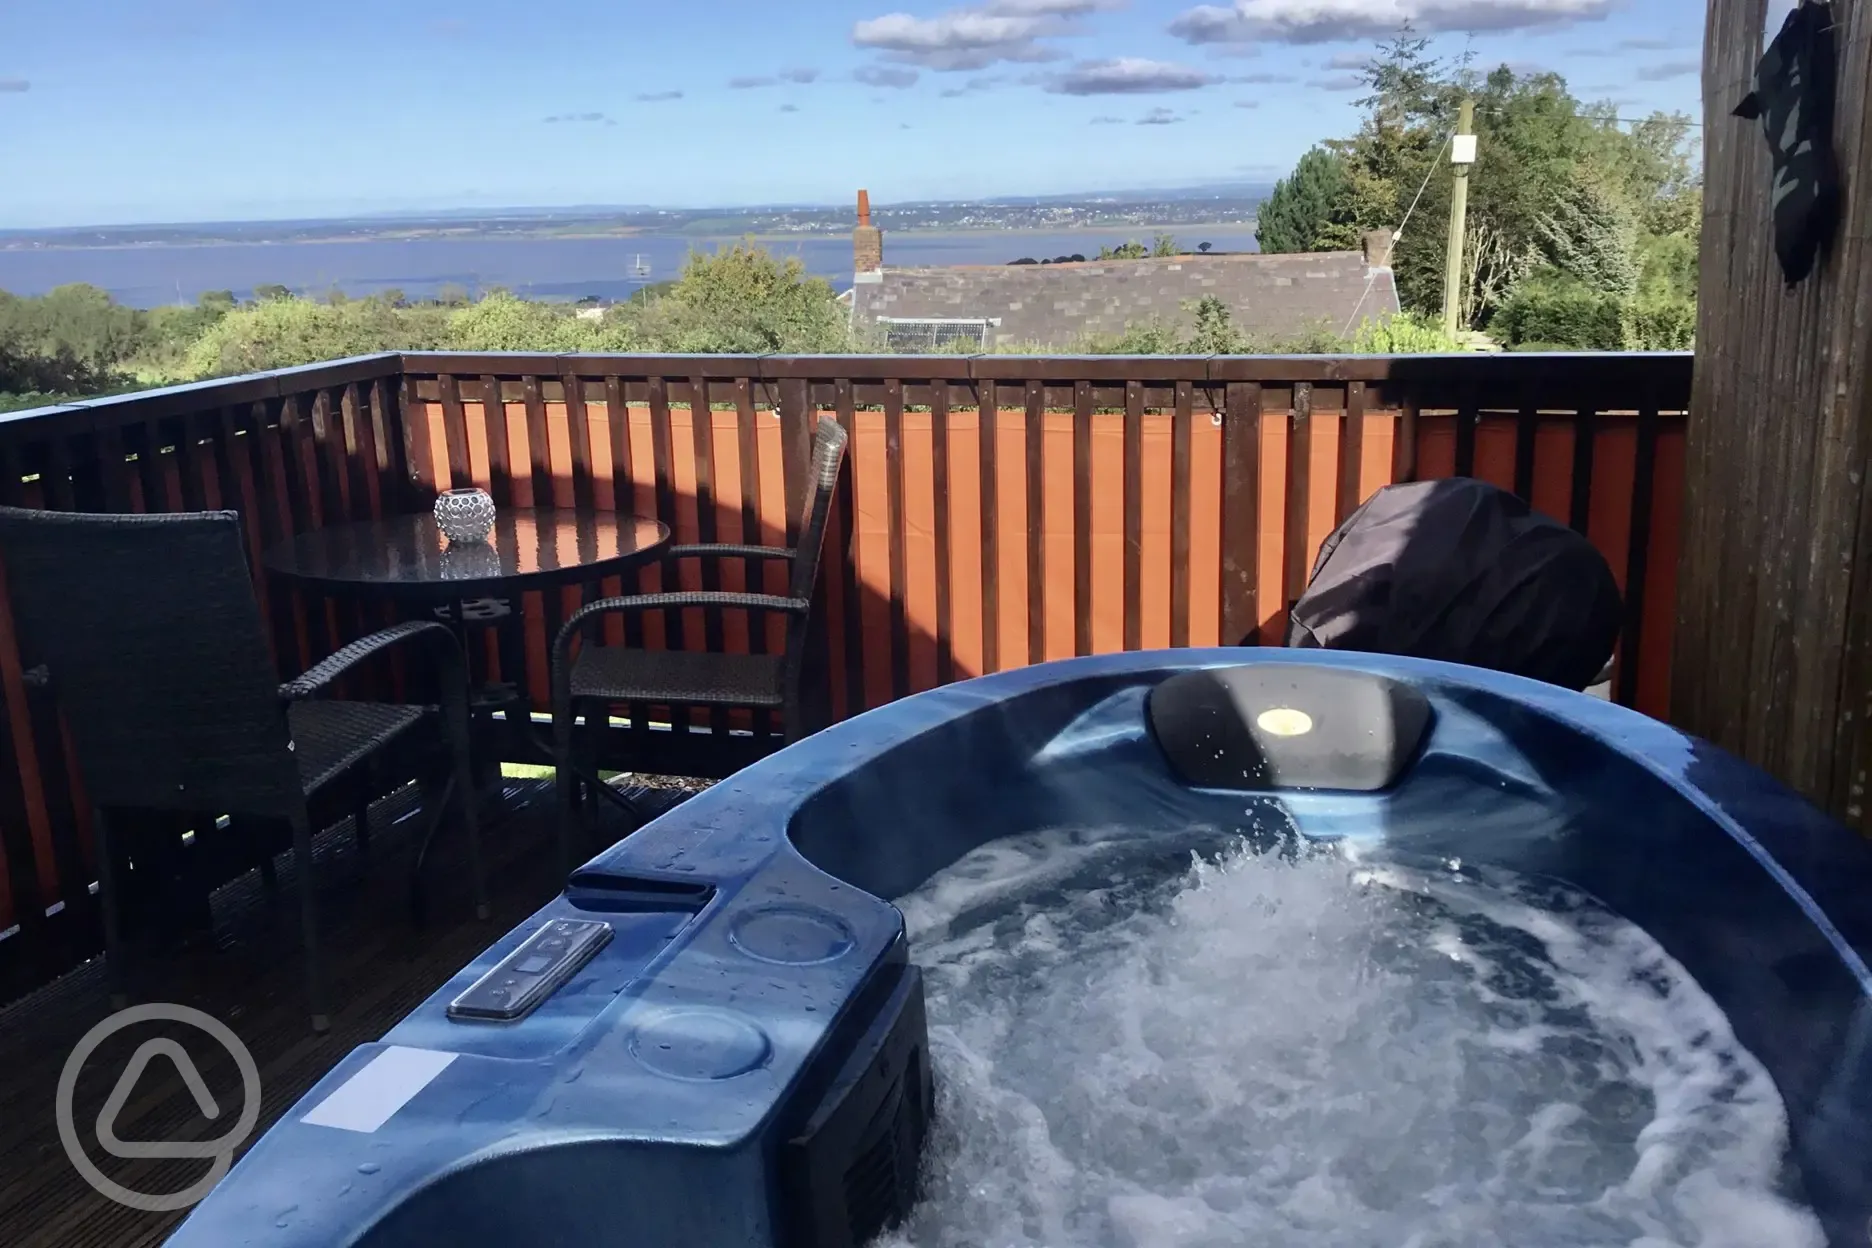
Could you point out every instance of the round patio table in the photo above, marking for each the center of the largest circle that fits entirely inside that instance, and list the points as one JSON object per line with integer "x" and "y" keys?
{"x": 406, "y": 559}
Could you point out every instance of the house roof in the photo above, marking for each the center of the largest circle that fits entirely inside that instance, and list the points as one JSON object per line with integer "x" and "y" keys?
{"x": 1053, "y": 305}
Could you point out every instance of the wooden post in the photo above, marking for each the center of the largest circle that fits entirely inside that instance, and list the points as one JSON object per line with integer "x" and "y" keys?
{"x": 796, "y": 433}
{"x": 1462, "y": 155}
{"x": 1772, "y": 657}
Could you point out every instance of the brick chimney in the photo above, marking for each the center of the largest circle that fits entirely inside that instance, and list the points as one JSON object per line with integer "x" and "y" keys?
{"x": 867, "y": 244}
{"x": 1378, "y": 244}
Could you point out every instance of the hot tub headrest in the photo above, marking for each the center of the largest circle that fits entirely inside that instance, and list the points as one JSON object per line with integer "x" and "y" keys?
{"x": 1287, "y": 726}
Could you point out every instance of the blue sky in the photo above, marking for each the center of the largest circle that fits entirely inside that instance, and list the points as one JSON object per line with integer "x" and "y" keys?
{"x": 178, "y": 110}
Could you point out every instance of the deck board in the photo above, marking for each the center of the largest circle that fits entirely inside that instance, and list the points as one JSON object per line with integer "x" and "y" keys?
{"x": 248, "y": 974}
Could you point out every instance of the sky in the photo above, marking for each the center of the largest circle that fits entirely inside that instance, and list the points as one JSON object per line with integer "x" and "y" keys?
{"x": 130, "y": 111}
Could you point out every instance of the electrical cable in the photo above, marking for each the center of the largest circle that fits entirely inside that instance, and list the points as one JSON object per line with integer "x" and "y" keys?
{"x": 1398, "y": 233}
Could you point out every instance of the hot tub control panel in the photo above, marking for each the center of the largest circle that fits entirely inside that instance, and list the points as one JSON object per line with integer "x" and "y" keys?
{"x": 531, "y": 973}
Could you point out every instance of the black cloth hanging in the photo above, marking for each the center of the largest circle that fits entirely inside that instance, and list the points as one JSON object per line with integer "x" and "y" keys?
{"x": 1793, "y": 98}
{"x": 1463, "y": 571}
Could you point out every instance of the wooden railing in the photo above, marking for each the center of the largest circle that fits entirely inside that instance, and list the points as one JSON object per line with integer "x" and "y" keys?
{"x": 996, "y": 511}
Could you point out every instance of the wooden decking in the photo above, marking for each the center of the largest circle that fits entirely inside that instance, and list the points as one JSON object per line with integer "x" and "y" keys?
{"x": 248, "y": 974}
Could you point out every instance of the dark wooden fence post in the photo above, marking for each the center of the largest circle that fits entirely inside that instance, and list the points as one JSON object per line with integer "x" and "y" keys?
{"x": 796, "y": 433}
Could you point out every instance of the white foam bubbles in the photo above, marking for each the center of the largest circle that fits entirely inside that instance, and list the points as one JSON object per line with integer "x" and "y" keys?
{"x": 1137, "y": 1049}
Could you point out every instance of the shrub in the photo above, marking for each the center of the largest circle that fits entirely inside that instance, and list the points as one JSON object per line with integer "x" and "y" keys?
{"x": 1665, "y": 324}
{"x": 1569, "y": 316}
{"x": 281, "y": 333}
{"x": 501, "y": 322}
{"x": 1569, "y": 313}
{"x": 1404, "y": 334}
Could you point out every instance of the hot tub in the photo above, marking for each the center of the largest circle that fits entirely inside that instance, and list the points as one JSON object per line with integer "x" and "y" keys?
{"x": 739, "y": 1052}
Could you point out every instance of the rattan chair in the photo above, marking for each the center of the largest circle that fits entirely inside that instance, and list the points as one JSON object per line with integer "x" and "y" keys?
{"x": 599, "y": 676}
{"x": 147, "y": 632}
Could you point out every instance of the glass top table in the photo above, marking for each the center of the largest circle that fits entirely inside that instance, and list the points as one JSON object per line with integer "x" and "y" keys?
{"x": 406, "y": 557}
{"x": 406, "y": 560}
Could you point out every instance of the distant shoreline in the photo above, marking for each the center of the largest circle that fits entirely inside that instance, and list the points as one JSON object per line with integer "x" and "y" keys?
{"x": 626, "y": 232}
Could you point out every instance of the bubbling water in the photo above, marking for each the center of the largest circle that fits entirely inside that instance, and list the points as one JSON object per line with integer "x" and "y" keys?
{"x": 1136, "y": 1047}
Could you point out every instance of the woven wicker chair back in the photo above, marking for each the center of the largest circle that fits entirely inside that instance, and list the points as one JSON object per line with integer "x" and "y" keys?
{"x": 158, "y": 657}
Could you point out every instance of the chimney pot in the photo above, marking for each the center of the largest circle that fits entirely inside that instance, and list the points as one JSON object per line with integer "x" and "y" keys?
{"x": 867, "y": 240}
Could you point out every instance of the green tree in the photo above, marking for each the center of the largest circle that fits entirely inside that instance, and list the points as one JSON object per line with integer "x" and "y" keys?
{"x": 1558, "y": 185}
{"x": 31, "y": 375}
{"x": 1295, "y": 216}
{"x": 656, "y": 290}
{"x": 271, "y": 291}
{"x": 1164, "y": 245}
{"x": 741, "y": 298}
{"x": 79, "y": 322}
{"x": 1591, "y": 233}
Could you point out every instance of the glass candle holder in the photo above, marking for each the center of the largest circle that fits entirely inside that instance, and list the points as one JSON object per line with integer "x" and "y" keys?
{"x": 465, "y": 515}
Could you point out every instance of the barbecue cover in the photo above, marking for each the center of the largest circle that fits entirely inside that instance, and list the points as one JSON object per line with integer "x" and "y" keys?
{"x": 1462, "y": 571}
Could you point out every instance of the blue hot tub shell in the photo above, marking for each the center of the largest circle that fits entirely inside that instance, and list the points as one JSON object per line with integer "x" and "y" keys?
{"x": 744, "y": 1062}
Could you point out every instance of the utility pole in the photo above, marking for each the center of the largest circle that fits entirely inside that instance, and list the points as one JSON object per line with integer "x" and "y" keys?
{"x": 1462, "y": 155}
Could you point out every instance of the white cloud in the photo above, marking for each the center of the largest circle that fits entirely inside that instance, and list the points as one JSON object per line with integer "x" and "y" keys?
{"x": 799, "y": 76}
{"x": 1127, "y": 75}
{"x": 984, "y": 82}
{"x": 14, "y": 86}
{"x": 1645, "y": 43}
{"x": 886, "y": 75}
{"x": 651, "y": 97}
{"x": 1338, "y": 82}
{"x": 1667, "y": 70}
{"x": 977, "y": 37}
{"x": 1159, "y": 117}
{"x": 1336, "y": 21}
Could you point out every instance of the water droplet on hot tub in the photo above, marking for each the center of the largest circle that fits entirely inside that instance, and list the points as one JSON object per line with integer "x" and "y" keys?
{"x": 369, "y": 1167}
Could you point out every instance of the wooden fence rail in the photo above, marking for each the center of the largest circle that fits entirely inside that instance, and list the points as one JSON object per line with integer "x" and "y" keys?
{"x": 996, "y": 511}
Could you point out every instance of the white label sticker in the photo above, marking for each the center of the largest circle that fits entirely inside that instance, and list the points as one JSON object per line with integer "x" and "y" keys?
{"x": 388, "y": 1082}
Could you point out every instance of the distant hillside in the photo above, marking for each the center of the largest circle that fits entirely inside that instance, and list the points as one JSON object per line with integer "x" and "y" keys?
{"x": 1230, "y": 203}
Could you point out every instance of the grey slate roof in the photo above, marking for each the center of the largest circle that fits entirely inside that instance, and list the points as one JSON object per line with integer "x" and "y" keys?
{"x": 1055, "y": 304}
